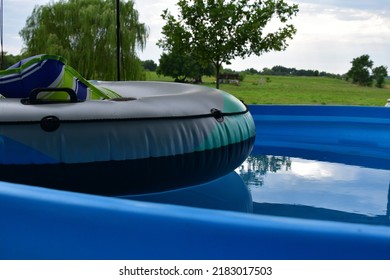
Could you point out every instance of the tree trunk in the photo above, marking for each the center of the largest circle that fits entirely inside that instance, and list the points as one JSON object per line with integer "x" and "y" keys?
{"x": 217, "y": 70}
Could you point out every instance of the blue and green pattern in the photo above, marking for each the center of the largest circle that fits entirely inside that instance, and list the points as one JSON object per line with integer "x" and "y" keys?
{"x": 47, "y": 71}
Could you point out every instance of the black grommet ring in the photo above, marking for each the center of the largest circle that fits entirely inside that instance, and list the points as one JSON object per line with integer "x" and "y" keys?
{"x": 217, "y": 114}
{"x": 50, "y": 123}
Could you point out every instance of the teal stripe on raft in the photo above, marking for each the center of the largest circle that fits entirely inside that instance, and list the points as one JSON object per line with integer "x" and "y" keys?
{"x": 232, "y": 130}
{"x": 231, "y": 104}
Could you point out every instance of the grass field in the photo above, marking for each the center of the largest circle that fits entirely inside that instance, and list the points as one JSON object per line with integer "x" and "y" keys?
{"x": 256, "y": 89}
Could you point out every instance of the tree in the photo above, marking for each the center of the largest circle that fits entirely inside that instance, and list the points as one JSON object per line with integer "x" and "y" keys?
{"x": 360, "y": 71}
{"x": 149, "y": 65}
{"x": 380, "y": 73}
{"x": 251, "y": 71}
{"x": 283, "y": 71}
{"x": 9, "y": 60}
{"x": 84, "y": 32}
{"x": 181, "y": 67}
{"x": 217, "y": 31}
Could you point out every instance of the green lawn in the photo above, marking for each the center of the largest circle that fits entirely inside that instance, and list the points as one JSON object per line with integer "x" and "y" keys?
{"x": 256, "y": 89}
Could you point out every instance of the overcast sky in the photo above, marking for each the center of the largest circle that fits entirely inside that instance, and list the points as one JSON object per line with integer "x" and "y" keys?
{"x": 330, "y": 33}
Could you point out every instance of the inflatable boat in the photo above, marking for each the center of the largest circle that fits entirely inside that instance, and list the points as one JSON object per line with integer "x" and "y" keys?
{"x": 61, "y": 131}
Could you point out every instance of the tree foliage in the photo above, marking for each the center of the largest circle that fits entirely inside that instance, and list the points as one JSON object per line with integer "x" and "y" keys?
{"x": 84, "y": 32}
{"x": 217, "y": 31}
{"x": 360, "y": 71}
{"x": 279, "y": 70}
{"x": 182, "y": 66}
{"x": 380, "y": 73}
{"x": 149, "y": 65}
{"x": 9, "y": 60}
{"x": 363, "y": 73}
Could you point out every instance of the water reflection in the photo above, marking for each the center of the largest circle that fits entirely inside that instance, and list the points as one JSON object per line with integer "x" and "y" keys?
{"x": 252, "y": 171}
{"x": 294, "y": 186}
{"x": 226, "y": 193}
{"x": 298, "y": 187}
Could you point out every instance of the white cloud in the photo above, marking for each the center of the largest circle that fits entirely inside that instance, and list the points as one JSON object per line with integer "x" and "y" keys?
{"x": 373, "y": 5}
{"x": 327, "y": 185}
{"x": 330, "y": 34}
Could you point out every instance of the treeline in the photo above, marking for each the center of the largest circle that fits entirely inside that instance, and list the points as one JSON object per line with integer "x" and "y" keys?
{"x": 167, "y": 69}
{"x": 285, "y": 71}
{"x": 8, "y": 60}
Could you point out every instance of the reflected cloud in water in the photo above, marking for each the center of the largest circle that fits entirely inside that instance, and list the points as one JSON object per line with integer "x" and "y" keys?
{"x": 334, "y": 186}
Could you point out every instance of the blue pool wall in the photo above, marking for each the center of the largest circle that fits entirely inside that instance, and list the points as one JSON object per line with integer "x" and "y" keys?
{"x": 354, "y": 131}
{"x": 39, "y": 223}
{"x": 45, "y": 224}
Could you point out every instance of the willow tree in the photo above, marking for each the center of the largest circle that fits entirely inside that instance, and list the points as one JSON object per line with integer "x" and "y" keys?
{"x": 217, "y": 31}
{"x": 84, "y": 32}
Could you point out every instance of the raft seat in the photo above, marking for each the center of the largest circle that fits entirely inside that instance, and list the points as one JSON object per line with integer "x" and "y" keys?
{"x": 48, "y": 72}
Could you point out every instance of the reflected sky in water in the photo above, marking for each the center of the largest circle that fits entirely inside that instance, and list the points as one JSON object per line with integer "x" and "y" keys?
{"x": 335, "y": 186}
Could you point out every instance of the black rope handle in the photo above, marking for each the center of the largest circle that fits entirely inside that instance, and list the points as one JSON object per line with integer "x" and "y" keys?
{"x": 32, "y": 99}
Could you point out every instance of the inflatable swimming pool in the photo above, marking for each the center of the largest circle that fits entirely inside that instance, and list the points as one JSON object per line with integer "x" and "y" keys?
{"x": 45, "y": 224}
{"x": 66, "y": 132}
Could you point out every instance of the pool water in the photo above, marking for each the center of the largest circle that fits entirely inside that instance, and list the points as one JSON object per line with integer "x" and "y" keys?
{"x": 311, "y": 162}
{"x": 294, "y": 186}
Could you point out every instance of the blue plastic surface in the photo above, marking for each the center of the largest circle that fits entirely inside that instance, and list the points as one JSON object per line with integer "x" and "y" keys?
{"x": 39, "y": 223}
{"x": 353, "y": 130}
{"x": 48, "y": 224}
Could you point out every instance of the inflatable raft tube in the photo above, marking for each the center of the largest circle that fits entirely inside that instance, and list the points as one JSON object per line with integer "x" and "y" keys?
{"x": 136, "y": 137}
